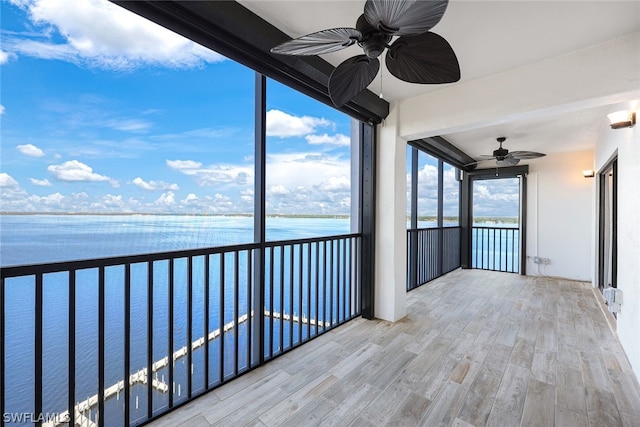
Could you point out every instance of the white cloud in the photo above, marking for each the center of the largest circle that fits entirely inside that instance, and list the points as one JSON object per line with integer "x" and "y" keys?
{"x": 1, "y": 109}
{"x": 278, "y": 190}
{"x": 184, "y": 166}
{"x": 247, "y": 195}
{"x": 166, "y": 199}
{"x": 30, "y": 150}
{"x": 4, "y": 57}
{"x": 337, "y": 139}
{"x": 101, "y": 34}
{"x": 55, "y": 199}
{"x": 336, "y": 183}
{"x": 154, "y": 185}
{"x": 12, "y": 196}
{"x": 190, "y": 198}
{"x": 7, "y": 181}
{"x": 206, "y": 176}
{"x": 40, "y": 182}
{"x": 284, "y": 125}
{"x": 75, "y": 171}
{"x": 129, "y": 125}
{"x": 112, "y": 201}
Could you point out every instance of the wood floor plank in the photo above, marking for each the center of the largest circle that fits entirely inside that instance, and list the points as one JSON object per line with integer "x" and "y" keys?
{"x": 507, "y": 409}
{"x": 446, "y": 405}
{"x": 288, "y": 407}
{"x": 543, "y": 366}
{"x": 350, "y": 408}
{"x": 539, "y": 405}
{"x": 602, "y": 409}
{"x": 480, "y": 398}
{"x": 566, "y": 418}
{"x": 311, "y": 414}
{"x": 411, "y": 411}
{"x": 522, "y": 354}
{"x": 477, "y": 348}
{"x": 570, "y": 391}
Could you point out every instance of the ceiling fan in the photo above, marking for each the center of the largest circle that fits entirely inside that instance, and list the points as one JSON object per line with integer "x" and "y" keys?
{"x": 504, "y": 157}
{"x": 416, "y": 56}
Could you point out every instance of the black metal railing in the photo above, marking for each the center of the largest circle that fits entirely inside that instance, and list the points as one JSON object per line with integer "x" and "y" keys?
{"x": 495, "y": 248}
{"x": 431, "y": 252}
{"x": 123, "y": 340}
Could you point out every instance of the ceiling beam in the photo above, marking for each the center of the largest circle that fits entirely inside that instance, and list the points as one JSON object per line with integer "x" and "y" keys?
{"x": 440, "y": 148}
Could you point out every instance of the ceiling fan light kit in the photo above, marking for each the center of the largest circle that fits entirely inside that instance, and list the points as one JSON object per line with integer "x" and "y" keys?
{"x": 416, "y": 56}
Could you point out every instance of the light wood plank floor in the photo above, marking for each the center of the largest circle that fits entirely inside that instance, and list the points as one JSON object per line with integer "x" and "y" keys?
{"x": 476, "y": 348}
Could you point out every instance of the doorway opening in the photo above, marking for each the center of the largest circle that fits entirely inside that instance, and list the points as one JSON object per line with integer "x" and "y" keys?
{"x": 494, "y": 216}
{"x": 608, "y": 225}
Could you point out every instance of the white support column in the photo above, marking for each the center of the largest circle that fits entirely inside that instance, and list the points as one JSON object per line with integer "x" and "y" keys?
{"x": 391, "y": 221}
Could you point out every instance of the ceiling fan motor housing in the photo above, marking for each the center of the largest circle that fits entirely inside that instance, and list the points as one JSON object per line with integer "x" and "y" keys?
{"x": 374, "y": 41}
{"x": 500, "y": 153}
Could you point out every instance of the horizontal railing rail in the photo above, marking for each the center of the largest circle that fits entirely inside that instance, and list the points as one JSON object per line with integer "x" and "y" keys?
{"x": 122, "y": 340}
{"x": 495, "y": 248}
{"x": 431, "y": 253}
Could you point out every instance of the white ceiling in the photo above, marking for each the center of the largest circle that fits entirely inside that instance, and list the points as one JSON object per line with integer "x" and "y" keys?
{"x": 488, "y": 37}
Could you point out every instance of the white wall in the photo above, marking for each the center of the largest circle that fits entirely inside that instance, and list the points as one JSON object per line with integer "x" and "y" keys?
{"x": 391, "y": 222}
{"x": 627, "y": 142}
{"x": 560, "y": 215}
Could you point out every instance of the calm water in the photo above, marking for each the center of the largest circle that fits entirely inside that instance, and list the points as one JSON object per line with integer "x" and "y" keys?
{"x": 42, "y": 239}
{"x": 37, "y": 239}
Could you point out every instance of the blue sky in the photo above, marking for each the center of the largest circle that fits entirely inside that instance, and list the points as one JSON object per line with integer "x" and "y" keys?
{"x": 103, "y": 111}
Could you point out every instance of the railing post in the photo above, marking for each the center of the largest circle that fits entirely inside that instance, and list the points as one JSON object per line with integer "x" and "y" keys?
{"x": 101, "y": 345}
{"x": 2, "y": 364}
{"x": 38, "y": 347}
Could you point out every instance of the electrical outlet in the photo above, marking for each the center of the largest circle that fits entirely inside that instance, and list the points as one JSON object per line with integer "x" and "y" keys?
{"x": 536, "y": 260}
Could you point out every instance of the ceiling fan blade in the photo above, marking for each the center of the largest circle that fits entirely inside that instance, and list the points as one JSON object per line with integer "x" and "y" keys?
{"x": 400, "y": 17}
{"x": 352, "y": 77}
{"x": 473, "y": 163}
{"x": 426, "y": 58}
{"x": 508, "y": 161}
{"x": 526, "y": 154}
{"x": 321, "y": 42}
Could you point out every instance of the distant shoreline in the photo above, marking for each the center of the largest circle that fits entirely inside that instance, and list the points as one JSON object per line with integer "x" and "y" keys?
{"x": 483, "y": 219}
{"x": 244, "y": 215}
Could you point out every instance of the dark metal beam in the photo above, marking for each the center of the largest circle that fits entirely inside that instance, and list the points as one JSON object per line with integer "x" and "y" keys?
{"x": 500, "y": 172}
{"x": 368, "y": 201}
{"x": 466, "y": 220}
{"x": 440, "y": 148}
{"x": 523, "y": 224}
{"x": 237, "y": 33}
{"x": 412, "y": 257}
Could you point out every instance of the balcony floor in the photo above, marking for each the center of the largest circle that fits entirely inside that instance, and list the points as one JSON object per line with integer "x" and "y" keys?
{"x": 476, "y": 348}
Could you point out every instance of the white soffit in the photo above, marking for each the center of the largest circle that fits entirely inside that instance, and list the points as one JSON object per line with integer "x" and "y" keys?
{"x": 488, "y": 36}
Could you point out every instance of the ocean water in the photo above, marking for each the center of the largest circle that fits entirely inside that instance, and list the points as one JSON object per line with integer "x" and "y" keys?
{"x": 38, "y": 239}
{"x": 41, "y": 239}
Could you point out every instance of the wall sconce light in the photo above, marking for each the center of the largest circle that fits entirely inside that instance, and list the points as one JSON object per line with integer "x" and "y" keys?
{"x": 622, "y": 119}
{"x": 589, "y": 173}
